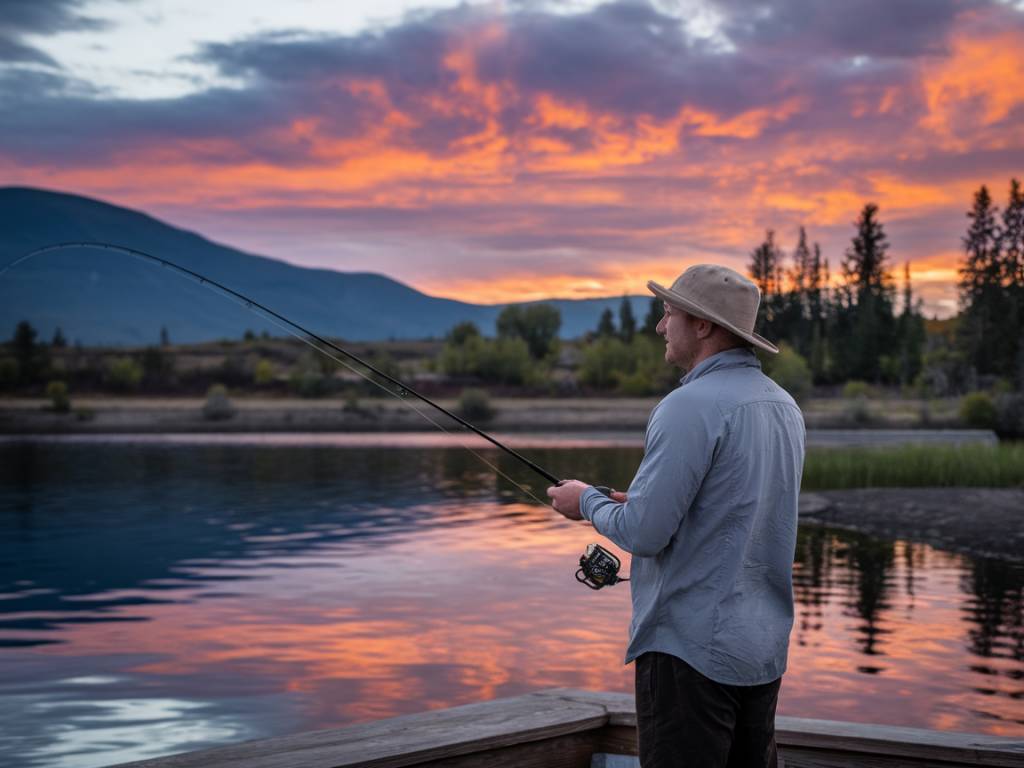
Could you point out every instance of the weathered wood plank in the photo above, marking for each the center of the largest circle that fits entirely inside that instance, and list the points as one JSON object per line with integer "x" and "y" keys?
{"x": 563, "y": 727}
{"x": 922, "y": 746}
{"x": 572, "y": 751}
{"x": 408, "y": 740}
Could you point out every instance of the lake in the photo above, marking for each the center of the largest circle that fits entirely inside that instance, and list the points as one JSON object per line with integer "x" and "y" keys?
{"x": 166, "y": 593}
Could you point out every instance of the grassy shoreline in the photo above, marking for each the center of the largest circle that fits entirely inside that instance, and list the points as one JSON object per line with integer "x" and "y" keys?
{"x": 915, "y": 466}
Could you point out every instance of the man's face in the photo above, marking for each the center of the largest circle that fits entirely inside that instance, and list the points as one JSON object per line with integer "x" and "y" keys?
{"x": 680, "y": 332}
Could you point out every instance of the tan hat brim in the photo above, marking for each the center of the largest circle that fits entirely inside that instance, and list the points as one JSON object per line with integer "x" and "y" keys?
{"x": 687, "y": 305}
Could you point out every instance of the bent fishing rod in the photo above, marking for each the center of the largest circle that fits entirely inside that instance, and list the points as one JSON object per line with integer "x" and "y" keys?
{"x": 598, "y": 567}
{"x": 252, "y": 304}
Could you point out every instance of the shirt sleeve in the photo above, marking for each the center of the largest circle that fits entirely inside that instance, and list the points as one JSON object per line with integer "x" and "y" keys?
{"x": 679, "y": 447}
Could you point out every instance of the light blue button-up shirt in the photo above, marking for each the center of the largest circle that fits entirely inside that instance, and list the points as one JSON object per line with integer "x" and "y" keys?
{"x": 711, "y": 522}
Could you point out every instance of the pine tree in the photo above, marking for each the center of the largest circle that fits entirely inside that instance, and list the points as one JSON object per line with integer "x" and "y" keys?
{"x": 867, "y": 319}
{"x": 911, "y": 332}
{"x": 765, "y": 269}
{"x": 606, "y": 325}
{"x": 1013, "y": 237}
{"x": 627, "y": 323}
{"x": 800, "y": 273}
{"x": 58, "y": 342}
{"x": 816, "y": 277}
{"x": 654, "y": 312}
{"x": 794, "y": 310}
{"x": 1012, "y": 241}
{"x": 165, "y": 339}
{"x": 764, "y": 265}
{"x": 984, "y": 309}
{"x": 27, "y": 352}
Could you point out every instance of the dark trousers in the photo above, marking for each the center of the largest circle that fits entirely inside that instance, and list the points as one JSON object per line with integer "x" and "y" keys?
{"x": 686, "y": 720}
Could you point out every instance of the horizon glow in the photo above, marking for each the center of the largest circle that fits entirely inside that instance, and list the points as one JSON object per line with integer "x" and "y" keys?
{"x": 513, "y": 151}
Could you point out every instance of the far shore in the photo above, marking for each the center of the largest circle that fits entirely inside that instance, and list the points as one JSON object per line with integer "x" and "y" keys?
{"x": 130, "y": 415}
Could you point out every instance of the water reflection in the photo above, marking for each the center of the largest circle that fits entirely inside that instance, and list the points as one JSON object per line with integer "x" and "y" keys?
{"x": 157, "y": 597}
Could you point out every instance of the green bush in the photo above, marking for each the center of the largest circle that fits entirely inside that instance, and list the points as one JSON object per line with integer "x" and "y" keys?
{"x": 507, "y": 361}
{"x": 218, "y": 407}
{"x": 636, "y": 384}
{"x": 307, "y": 382}
{"x": 263, "y": 373}
{"x": 855, "y": 389}
{"x": 461, "y": 354}
{"x": 1010, "y": 415}
{"x": 606, "y": 361}
{"x": 10, "y": 372}
{"x": 475, "y": 405}
{"x": 856, "y": 410}
{"x": 57, "y": 391}
{"x": 977, "y": 410}
{"x": 501, "y": 361}
{"x": 124, "y": 374}
{"x": 790, "y": 371}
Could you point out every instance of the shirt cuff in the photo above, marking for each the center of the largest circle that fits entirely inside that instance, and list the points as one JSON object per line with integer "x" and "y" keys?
{"x": 588, "y": 500}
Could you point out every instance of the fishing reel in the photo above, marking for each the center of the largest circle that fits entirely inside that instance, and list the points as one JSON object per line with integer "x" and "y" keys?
{"x": 598, "y": 567}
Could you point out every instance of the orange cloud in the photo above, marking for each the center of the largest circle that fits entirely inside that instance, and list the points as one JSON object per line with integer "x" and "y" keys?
{"x": 980, "y": 84}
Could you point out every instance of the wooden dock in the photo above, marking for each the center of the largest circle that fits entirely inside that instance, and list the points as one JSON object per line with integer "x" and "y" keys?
{"x": 564, "y": 728}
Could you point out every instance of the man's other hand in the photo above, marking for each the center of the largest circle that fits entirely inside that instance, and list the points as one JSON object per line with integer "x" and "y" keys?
{"x": 565, "y": 498}
{"x": 619, "y": 496}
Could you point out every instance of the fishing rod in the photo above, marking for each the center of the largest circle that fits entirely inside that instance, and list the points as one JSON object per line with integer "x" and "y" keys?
{"x": 252, "y": 304}
{"x": 598, "y": 567}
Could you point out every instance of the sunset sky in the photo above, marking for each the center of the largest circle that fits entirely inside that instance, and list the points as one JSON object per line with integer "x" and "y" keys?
{"x": 507, "y": 151}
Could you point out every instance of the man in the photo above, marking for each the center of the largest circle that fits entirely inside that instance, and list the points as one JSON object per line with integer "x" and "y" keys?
{"x": 710, "y": 519}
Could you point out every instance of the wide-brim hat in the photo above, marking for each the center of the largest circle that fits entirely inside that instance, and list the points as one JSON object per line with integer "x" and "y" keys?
{"x": 720, "y": 295}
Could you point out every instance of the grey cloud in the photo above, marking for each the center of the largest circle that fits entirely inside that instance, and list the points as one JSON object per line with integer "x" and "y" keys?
{"x": 624, "y": 57}
{"x": 39, "y": 17}
{"x": 847, "y": 28}
{"x": 13, "y": 51}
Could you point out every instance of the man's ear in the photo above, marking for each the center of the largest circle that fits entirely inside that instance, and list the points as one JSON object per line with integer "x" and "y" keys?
{"x": 704, "y": 328}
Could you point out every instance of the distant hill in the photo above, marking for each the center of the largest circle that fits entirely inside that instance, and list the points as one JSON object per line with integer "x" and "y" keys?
{"x": 97, "y": 297}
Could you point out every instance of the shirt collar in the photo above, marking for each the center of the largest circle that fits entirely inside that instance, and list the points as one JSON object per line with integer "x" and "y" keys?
{"x": 738, "y": 357}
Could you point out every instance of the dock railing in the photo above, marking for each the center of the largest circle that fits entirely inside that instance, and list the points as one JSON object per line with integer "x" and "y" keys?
{"x": 563, "y": 728}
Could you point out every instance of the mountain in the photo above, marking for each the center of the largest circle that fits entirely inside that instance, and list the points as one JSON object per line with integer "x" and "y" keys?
{"x": 106, "y": 297}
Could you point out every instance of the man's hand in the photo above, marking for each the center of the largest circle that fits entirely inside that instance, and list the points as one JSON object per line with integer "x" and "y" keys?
{"x": 565, "y": 498}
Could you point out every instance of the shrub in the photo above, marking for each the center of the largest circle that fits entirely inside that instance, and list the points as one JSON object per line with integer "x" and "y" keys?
{"x": 855, "y": 389}
{"x": 461, "y": 357}
{"x": 1009, "y": 421}
{"x": 507, "y": 361}
{"x": 475, "y": 405}
{"x": 790, "y": 371}
{"x": 57, "y": 391}
{"x": 264, "y": 372}
{"x": 636, "y": 384}
{"x": 10, "y": 372}
{"x": 857, "y": 410}
{"x": 124, "y": 374}
{"x": 218, "y": 407}
{"x": 306, "y": 382}
{"x": 606, "y": 362}
{"x": 977, "y": 410}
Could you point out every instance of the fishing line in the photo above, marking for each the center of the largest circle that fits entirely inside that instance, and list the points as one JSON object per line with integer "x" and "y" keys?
{"x": 424, "y": 415}
{"x": 290, "y": 327}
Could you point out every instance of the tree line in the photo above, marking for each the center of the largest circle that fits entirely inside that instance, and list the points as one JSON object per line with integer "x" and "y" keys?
{"x": 861, "y": 326}
{"x": 854, "y": 328}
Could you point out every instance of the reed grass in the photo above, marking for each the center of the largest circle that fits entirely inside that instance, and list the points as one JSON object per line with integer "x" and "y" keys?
{"x": 910, "y": 466}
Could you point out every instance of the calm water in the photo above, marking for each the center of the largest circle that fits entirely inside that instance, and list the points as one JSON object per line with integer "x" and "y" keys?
{"x": 167, "y": 594}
